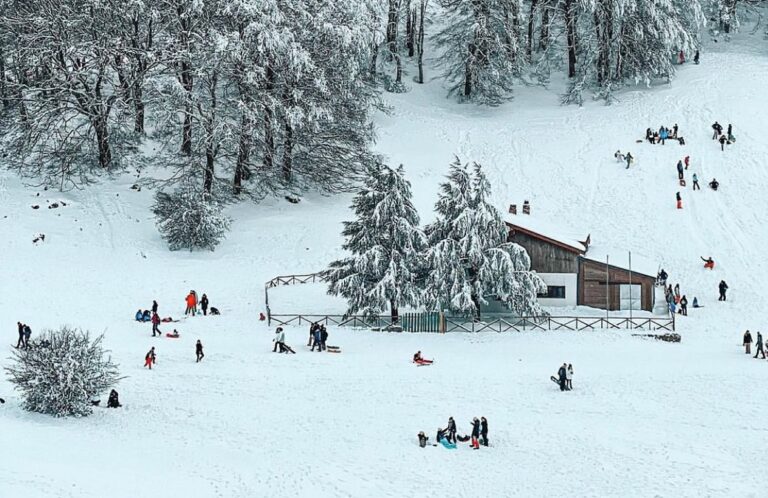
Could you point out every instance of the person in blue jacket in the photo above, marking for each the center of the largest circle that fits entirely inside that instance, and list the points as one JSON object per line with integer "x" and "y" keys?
{"x": 318, "y": 340}
{"x": 139, "y": 316}
{"x": 663, "y": 135}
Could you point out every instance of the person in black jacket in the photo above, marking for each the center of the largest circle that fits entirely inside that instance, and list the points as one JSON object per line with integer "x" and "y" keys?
{"x": 154, "y": 306}
{"x": 423, "y": 439}
{"x": 684, "y": 306}
{"x": 759, "y": 345}
{"x": 561, "y": 376}
{"x": 312, "y": 333}
{"x": 718, "y": 129}
{"x": 323, "y": 337}
{"x": 20, "y": 342}
{"x": 748, "y": 342}
{"x": 723, "y": 288}
{"x": 199, "y": 351}
{"x": 484, "y": 431}
{"x": 204, "y": 304}
{"x": 114, "y": 400}
{"x": 475, "y": 434}
{"x": 451, "y": 430}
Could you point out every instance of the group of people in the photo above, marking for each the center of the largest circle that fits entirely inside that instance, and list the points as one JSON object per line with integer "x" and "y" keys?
{"x": 723, "y": 138}
{"x": 448, "y": 437}
{"x": 318, "y": 337}
{"x": 280, "y": 342}
{"x": 151, "y": 357}
{"x": 192, "y": 303}
{"x": 759, "y": 344}
{"x": 681, "y": 57}
{"x": 664, "y": 134}
{"x": 628, "y": 158}
{"x": 25, "y": 332}
{"x": 565, "y": 377}
{"x": 676, "y": 302}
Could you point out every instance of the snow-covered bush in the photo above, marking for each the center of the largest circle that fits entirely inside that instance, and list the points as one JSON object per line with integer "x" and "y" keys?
{"x": 61, "y": 373}
{"x": 188, "y": 219}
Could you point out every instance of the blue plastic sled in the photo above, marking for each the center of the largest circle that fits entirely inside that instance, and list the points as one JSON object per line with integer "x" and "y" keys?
{"x": 448, "y": 445}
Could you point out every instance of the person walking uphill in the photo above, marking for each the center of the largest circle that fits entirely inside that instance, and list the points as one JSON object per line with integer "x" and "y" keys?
{"x": 759, "y": 345}
{"x": 679, "y": 200}
{"x": 723, "y": 140}
{"x": 20, "y": 342}
{"x": 723, "y": 288}
{"x": 696, "y": 182}
{"x": 27, "y": 335}
{"x": 199, "y": 351}
{"x": 680, "y": 170}
{"x": 483, "y": 431}
{"x": 747, "y": 342}
{"x": 718, "y": 129}
{"x": 204, "y": 304}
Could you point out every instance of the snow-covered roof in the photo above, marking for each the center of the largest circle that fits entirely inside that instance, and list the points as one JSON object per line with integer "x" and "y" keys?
{"x": 620, "y": 259}
{"x": 545, "y": 230}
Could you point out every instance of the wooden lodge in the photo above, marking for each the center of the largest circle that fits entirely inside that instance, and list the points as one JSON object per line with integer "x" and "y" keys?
{"x": 577, "y": 274}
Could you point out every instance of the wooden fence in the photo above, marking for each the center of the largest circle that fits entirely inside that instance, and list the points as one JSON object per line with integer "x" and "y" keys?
{"x": 509, "y": 324}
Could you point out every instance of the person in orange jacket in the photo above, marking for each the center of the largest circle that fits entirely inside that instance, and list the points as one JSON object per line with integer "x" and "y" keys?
{"x": 191, "y": 303}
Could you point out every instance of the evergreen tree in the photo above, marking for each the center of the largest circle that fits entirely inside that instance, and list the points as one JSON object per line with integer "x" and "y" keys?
{"x": 385, "y": 242}
{"x": 479, "y": 50}
{"x": 469, "y": 257}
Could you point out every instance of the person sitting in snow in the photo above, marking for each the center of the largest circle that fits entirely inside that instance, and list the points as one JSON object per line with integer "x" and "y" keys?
{"x": 113, "y": 401}
{"x": 714, "y": 184}
{"x": 279, "y": 340}
{"x": 423, "y": 439}
{"x": 696, "y": 302}
{"x": 147, "y": 316}
{"x": 139, "y": 316}
{"x": 417, "y": 358}
{"x": 175, "y": 333}
{"x": 619, "y": 156}
{"x": 709, "y": 263}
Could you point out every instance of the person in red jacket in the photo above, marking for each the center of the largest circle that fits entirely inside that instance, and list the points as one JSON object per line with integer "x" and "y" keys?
{"x": 150, "y": 358}
{"x": 709, "y": 263}
{"x": 191, "y": 303}
{"x": 155, "y": 324}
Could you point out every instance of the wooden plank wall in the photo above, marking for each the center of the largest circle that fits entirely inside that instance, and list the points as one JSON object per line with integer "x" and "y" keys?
{"x": 546, "y": 257}
{"x": 593, "y": 289}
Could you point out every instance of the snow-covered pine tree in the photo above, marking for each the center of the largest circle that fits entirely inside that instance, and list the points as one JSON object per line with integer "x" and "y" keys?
{"x": 479, "y": 50}
{"x": 190, "y": 219}
{"x": 469, "y": 258}
{"x": 62, "y": 372}
{"x": 386, "y": 245}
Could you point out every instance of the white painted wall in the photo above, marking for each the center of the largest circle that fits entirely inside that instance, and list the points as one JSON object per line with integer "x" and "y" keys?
{"x": 568, "y": 280}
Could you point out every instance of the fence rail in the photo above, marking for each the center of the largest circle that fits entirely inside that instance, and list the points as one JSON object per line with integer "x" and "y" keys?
{"x": 513, "y": 324}
{"x": 309, "y": 278}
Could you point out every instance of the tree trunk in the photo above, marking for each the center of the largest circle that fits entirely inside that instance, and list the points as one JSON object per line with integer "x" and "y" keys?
{"x": 392, "y": 22}
{"x": 468, "y": 72}
{"x": 531, "y": 19}
{"x": 243, "y": 152}
{"x": 410, "y": 36}
{"x": 476, "y": 301}
{"x": 102, "y": 141}
{"x": 138, "y": 105}
{"x": 288, "y": 152}
{"x": 3, "y": 89}
{"x": 546, "y": 18}
{"x": 394, "y": 312}
{"x": 269, "y": 135}
{"x": 570, "y": 30}
{"x": 422, "y": 13}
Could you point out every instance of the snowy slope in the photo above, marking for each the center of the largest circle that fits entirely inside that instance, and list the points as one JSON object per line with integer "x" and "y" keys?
{"x": 646, "y": 419}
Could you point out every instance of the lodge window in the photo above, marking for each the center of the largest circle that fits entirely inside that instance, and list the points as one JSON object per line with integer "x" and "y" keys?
{"x": 554, "y": 292}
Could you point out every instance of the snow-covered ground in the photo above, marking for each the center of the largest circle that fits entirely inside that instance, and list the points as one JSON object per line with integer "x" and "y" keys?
{"x": 646, "y": 418}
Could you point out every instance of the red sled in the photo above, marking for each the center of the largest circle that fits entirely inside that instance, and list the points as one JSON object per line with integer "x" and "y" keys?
{"x": 422, "y": 363}
{"x": 172, "y": 336}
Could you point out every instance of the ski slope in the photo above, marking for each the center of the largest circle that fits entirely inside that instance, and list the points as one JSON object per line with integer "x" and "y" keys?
{"x": 645, "y": 418}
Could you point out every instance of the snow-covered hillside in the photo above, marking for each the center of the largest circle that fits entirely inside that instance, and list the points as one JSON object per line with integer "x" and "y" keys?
{"x": 645, "y": 418}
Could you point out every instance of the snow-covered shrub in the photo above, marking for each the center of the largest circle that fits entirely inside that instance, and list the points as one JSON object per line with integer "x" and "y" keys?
{"x": 62, "y": 372}
{"x": 188, "y": 219}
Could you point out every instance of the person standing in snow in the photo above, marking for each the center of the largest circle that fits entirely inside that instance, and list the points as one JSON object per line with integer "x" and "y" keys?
{"x": 759, "y": 345}
{"x": 649, "y": 135}
{"x": 154, "y": 306}
{"x": 679, "y": 200}
{"x": 156, "y": 324}
{"x": 451, "y": 430}
{"x": 730, "y": 131}
{"x": 323, "y": 337}
{"x": 680, "y": 170}
{"x": 483, "y": 431}
{"x": 684, "y": 306}
{"x": 722, "y": 142}
{"x": 687, "y": 161}
{"x": 423, "y": 439}
{"x": 27, "y": 335}
{"x": 279, "y": 340}
{"x": 20, "y": 342}
{"x": 569, "y": 377}
{"x": 312, "y": 333}
{"x": 114, "y": 400}
{"x": 204, "y": 304}
{"x": 717, "y": 130}
{"x": 199, "y": 351}
{"x": 191, "y": 301}
{"x": 562, "y": 376}
{"x": 723, "y": 288}
{"x": 317, "y": 339}
{"x": 150, "y": 358}
{"x": 696, "y": 57}
{"x": 629, "y": 159}
{"x": 475, "y": 434}
{"x": 674, "y": 131}
{"x": 681, "y": 57}
{"x": 696, "y": 185}
{"x": 747, "y": 342}
{"x": 619, "y": 156}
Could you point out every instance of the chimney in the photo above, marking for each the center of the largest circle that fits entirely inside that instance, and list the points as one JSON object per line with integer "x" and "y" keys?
{"x": 526, "y": 207}
{"x": 513, "y": 209}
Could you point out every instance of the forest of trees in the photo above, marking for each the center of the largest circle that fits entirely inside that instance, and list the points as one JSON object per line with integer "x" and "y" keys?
{"x": 254, "y": 98}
